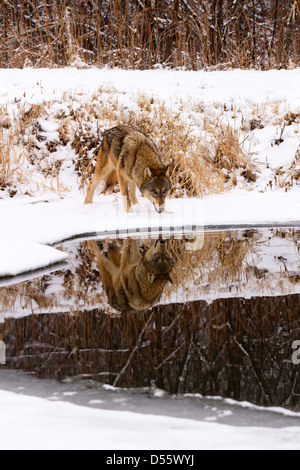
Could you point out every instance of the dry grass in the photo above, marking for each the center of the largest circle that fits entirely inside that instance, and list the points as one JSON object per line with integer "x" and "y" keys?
{"x": 5, "y": 122}
{"x": 208, "y": 153}
{"x": 287, "y": 177}
{"x": 198, "y": 165}
{"x": 11, "y": 164}
{"x": 25, "y": 153}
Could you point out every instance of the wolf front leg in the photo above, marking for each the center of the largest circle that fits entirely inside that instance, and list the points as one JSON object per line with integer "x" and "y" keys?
{"x": 132, "y": 193}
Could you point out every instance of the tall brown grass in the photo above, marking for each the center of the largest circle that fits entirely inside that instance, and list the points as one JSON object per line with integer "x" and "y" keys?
{"x": 11, "y": 164}
{"x": 286, "y": 177}
{"x": 142, "y": 33}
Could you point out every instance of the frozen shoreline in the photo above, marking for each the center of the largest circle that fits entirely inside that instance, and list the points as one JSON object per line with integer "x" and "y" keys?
{"x": 108, "y": 418}
{"x": 28, "y": 226}
{"x": 42, "y": 424}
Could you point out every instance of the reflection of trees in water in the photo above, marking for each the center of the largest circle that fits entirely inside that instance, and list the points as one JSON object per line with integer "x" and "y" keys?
{"x": 233, "y": 348}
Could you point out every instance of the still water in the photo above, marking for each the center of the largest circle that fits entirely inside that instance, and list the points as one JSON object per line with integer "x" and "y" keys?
{"x": 214, "y": 313}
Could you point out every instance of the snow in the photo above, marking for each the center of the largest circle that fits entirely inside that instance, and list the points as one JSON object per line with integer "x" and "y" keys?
{"x": 218, "y": 87}
{"x": 19, "y": 256}
{"x": 48, "y": 126}
{"x": 31, "y": 423}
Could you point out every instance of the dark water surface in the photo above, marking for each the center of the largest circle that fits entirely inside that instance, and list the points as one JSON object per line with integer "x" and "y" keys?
{"x": 217, "y": 314}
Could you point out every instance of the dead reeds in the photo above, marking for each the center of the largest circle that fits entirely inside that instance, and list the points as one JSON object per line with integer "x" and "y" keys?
{"x": 208, "y": 151}
{"x": 141, "y": 34}
{"x": 11, "y": 164}
{"x": 288, "y": 176}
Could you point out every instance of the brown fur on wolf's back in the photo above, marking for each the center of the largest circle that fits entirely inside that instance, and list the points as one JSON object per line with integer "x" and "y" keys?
{"x": 135, "y": 149}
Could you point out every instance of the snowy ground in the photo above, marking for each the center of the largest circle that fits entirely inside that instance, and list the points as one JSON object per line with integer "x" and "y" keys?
{"x": 71, "y": 416}
{"x": 39, "y": 424}
{"x": 35, "y": 423}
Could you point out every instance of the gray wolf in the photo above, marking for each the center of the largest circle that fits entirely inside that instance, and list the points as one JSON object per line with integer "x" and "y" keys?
{"x": 137, "y": 163}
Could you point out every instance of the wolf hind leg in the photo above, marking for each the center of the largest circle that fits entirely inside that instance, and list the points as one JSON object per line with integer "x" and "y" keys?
{"x": 111, "y": 181}
{"x": 108, "y": 269}
{"x": 102, "y": 169}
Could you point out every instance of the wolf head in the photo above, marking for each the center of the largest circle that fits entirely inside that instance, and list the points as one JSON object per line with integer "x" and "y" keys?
{"x": 159, "y": 262}
{"x": 156, "y": 187}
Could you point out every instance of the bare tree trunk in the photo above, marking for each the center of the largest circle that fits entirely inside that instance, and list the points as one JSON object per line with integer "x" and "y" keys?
{"x": 216, "y": 30}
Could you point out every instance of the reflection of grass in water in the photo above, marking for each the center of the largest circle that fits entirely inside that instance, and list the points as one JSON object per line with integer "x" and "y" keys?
{"x": 220, "y": 262}
{"x": 220, "y": 259}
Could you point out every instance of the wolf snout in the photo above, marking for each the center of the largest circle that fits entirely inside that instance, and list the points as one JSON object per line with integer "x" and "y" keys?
{"x": 160, "y": 243}
{"x": 159, "y": 209}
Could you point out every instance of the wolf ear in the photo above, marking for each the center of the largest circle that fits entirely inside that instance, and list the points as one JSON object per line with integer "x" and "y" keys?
{"x": 148, "y": 174}
{"x": 167, "y": 170}
{"x": 163, "y": 277}
{"x": 166, "y": 277}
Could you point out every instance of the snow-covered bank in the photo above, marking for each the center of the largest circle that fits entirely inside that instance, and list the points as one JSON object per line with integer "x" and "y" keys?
{"x": 252, "y": 86}
{"x": 18, "y": 256}
{"x": 265, "y": 113}
{"x": 36, "y": 423}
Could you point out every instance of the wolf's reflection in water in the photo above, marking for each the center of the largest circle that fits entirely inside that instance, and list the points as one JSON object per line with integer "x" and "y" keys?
{"x": 134, "y": 281}
{"x": 134, "y": 275}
